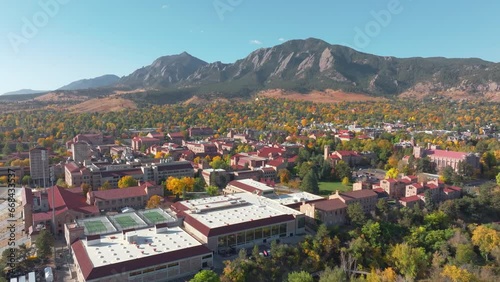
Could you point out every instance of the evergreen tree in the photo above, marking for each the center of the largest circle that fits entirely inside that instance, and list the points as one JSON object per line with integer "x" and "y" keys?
{"x": 310, "y": 183}
{"x": 44, "y": 242}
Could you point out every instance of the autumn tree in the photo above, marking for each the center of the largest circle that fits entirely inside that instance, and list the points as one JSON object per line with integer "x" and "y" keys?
{"x": 180, "y": 185}
{"x": 159, "y": 155}
{"x": 127, "y": 181}
{"x": 218, "y": 163}
{"x": 486, "y": 239}
{"x": 409, "y": 261}
{"x": 457, "y": 274}
{"x": 392, "y": 173}
{"x": 388, "y": 275}
{"x": 345, "y": 181}
{"x": 284, "y": 175}
{"x": 153, "y": 202}
{"x": 105, "y": 186}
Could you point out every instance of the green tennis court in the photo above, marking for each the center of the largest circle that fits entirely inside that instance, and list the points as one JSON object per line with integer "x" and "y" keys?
{"x": 126, "y": 221}
{"x": 154, "y": 216}
{"x": 94, "y": 227}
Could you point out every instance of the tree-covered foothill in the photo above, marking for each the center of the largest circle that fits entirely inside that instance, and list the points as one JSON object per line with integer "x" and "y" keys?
{"x": 455, "y": 240}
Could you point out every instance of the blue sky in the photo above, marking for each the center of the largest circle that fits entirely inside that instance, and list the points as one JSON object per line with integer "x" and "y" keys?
{"x": 75, "y": 39}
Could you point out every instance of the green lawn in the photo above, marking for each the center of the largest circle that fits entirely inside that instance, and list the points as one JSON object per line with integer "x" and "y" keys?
{"x": 126, "y": 221}
{"x": 94, "y": 227}
{"x": 154, "y": 216}
{"x": 327, "y": 188}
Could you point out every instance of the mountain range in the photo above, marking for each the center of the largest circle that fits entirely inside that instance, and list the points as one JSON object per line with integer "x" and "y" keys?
{"x": 313, "y": 64}
{"x": 101, "y": 81}
{"x": 24, "y": 91}
{"x": 304, "y": 66}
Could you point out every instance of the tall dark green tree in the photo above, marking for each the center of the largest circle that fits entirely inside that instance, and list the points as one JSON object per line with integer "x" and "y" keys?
{"x": 356, "y": 214}
{"x": 342, "y": 170}
{"x": 44, "y": 243}
{"x": 310, "y": 183}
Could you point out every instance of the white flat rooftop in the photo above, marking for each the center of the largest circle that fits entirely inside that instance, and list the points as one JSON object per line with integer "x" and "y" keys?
{"x": 221, "y": 211}
{"x": 114, "y": 248}
{"x": 253, "y": 184}
{"x": 288, "y": 199}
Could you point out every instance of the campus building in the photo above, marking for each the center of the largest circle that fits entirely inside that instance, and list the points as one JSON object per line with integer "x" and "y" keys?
{"x": 159, "y": 251}
{"x": 330, "y": 212}
{"x": 249, "y": 186}
{"x": 96, "y": 175}
{"x": 239, "y": 220}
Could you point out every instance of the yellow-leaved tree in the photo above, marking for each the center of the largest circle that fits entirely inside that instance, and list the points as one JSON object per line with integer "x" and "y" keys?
{"x": 179, "y": 185}
{"x": 153, "y": 202}
{"x": 392, "y": 173}
{"x": 127, "y": 181}
{"x": 457, "y": 274}
{"x": 486, "y": 239}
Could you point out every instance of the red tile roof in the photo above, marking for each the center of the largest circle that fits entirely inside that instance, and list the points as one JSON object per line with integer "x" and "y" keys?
{"x": 90, "y": 272}
{"x": 330, "y": 205}
{"x": 416, "y": 185}
{"x": 146, "y": 139}
{"x": 64, "y": 200}
{"x": 446, "y": 154}
{"x": 264, "y": 152}
{"x": 413, "y": 198}
{"x": 432, "y": 186}
{"x": 176, "y": 135}
{"x": 122, "y": 193}
{"x": 347, "y": 153}
{"x": 359, "y": 194}
{"x": 450, "y": 189}
{"x": 276, "y": 162}
{"x": 72, "y": 167}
